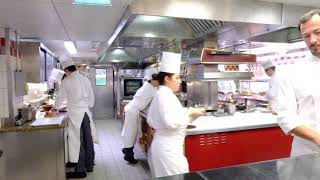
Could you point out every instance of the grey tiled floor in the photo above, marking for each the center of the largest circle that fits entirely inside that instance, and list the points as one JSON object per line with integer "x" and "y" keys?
{"x": 109, "y": 158}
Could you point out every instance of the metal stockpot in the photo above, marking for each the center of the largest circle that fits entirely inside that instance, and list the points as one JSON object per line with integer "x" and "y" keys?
{"x": 27, "y": 113}
{"x": 230, "y": 108}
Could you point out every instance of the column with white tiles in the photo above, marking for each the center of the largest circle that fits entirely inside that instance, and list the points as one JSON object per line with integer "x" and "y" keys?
{"x": 3, "y": 76}
{"x": 9, "y": 63}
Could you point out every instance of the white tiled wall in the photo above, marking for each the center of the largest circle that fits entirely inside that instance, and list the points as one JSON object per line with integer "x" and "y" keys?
{"x": 4, "y": 112}
{"x": 17, "y": 101}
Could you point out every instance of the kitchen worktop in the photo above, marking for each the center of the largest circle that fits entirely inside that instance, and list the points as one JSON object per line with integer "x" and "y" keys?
{"x": 236, "y": 122}
{"x": 27, "y": 126}
{"x": 306, "y": 168}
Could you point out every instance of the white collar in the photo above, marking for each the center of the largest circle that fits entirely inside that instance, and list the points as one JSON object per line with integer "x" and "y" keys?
{"x": 315, "y": 59}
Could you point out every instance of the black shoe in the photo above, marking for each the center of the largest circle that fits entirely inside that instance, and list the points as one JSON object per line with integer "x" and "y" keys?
{"x": 131, "y": 159}
{"x": 71, "y": 165}
{"x": 128, "y": 151}
{"x": 75, "y": 175}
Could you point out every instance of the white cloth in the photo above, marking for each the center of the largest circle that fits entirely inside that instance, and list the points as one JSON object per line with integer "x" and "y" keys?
{"x": 299, "y": 103}
{"x": 169, "y": 120}
{"x": 226, "y": 89}
{"x": 77, "y": 90}
{"x": 139, "y": 102}
{"x": 170, "y": 62}
{"x": 273, "y": 91}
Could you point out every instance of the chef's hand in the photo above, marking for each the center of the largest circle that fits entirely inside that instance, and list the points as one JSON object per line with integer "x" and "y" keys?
{"x": 194, "y": 113}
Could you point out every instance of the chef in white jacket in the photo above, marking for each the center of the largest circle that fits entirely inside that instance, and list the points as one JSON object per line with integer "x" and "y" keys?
{"x": 77, "y": 91}
{"x": 272, "y": 93}
{"x": 140, "y": 101}
{"x": 169, "y": 120}
{"x": 299, "y": 104}
{"x": 226, "y": 88}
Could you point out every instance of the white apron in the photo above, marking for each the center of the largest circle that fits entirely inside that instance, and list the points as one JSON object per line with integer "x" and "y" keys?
{"x": 140, "y": 101}
{"x": 130, "y": 127}
{"x": 166, "y": 154}
{"x": 74, "y": 124}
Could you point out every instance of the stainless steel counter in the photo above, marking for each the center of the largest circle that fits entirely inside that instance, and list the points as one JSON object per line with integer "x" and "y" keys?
{"x": 304, "y": 167}
{"x": 33, "y": 153}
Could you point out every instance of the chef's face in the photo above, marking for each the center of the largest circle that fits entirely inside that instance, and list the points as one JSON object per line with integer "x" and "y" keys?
{"x": 269, "y": 72}
{"x": 173, "y": 82}
{"x": 310, "y": 31}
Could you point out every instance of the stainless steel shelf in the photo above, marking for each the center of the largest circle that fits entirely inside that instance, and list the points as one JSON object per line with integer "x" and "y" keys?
{"x": 216, "y": 76}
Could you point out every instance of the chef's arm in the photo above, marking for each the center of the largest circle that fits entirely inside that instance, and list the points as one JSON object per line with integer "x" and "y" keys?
{"x": 61, "y": 97}
{"x": 307, "y": 133}
{"x": 194, "y": 113}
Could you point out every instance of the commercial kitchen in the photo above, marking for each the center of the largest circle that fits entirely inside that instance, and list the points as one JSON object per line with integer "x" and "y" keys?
{"x": 118, "y": 45}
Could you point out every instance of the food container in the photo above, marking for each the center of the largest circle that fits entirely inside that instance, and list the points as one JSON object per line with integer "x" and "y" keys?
{"x": 230, "y": 108}
{"x": 47, "y": 107}
{"x": 27, "y": 113}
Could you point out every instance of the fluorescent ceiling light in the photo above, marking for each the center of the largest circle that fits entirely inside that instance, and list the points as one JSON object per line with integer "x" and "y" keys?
{"x": 149, "y": 35}
{"x": 152, "y": 18}
{"x": 69, "y": 45}
{"x": 93, "y": 2}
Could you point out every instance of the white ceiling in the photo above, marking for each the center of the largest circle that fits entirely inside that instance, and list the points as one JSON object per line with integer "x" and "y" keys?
{"x": 40, "y": 20}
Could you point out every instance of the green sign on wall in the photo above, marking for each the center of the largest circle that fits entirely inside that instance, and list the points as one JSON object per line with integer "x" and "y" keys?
{"x": 93, "y": 2}
{"x": 101, "y": 77}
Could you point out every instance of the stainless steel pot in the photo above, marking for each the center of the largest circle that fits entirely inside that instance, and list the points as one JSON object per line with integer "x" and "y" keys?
{"x": 230, "y": 108}
{"x": 27, "y": 113}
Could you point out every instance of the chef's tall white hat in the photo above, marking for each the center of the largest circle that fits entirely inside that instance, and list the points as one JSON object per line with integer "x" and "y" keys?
{"x": 267, "y": 64}
{"x": 170, "y": 62}
{"x": 65, "y": 61}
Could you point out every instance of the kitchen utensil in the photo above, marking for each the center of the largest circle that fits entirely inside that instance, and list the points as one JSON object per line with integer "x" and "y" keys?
{"x": 27, "y": 113}
{"x": 211, "y": 110}
{"x": 230, "y": 108}
{"x": 47, "y": 107}
{"x": 51, "y": 114}
{"x": 191, "y": 126}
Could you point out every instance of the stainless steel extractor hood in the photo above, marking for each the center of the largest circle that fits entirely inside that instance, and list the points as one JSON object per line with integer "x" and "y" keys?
{"x": 149, "y": 27}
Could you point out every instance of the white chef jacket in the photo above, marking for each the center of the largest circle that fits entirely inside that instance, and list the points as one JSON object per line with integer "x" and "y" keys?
{"x": 226, "y": 87}
{"x": 169, "y": 119}
{"x": 139, "y": 102}
{"x": 299, "y": 103}
{"x": 77, "y": 90}
{"x": 142, "y": 97}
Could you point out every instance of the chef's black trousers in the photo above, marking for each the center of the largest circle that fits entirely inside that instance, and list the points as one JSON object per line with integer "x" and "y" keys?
{"x": 86, "y": 154}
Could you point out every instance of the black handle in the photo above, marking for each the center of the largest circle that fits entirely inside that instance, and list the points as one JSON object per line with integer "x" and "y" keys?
{"x": 211, "y": 110}
{"x": 1, "y": 152}
{"x": 221, "y": 52}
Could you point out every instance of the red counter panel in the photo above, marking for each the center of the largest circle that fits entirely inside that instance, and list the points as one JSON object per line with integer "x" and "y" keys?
{"x": 207, "y": 151}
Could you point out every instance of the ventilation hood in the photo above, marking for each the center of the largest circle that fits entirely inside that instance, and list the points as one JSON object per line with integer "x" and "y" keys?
{"x": 149, "y": 27}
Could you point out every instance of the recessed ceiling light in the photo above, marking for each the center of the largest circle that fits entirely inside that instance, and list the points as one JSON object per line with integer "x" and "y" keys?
{"x": 149, "y": 35}
{"x": 69, "y": 45}
{"x": 93, "y": 2}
